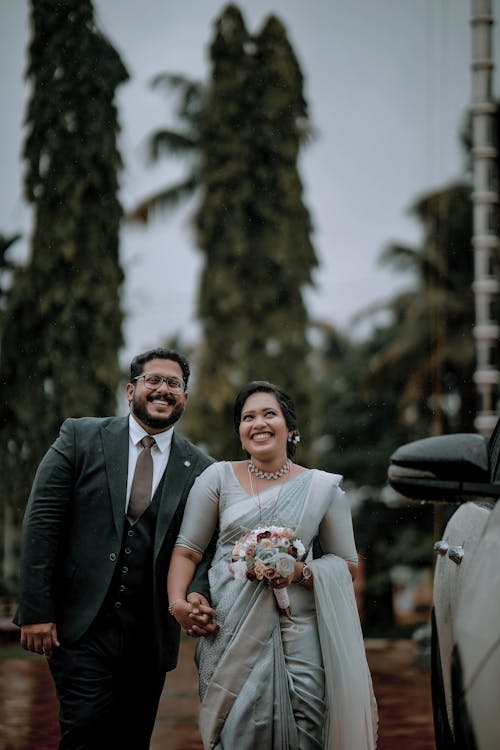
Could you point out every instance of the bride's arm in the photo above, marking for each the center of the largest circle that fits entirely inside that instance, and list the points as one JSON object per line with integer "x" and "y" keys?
{"x": 180, "y": 574}
{"x": 336, "y": 534}
{"x": 353, "y": 568}
{"x": 188, "y": 603}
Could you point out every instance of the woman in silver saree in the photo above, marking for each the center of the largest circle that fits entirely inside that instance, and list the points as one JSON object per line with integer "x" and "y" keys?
{"x": 270, "y": 681}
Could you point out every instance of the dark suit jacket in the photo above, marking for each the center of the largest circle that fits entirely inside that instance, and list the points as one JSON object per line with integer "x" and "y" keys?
{"x": 73, "y": 529}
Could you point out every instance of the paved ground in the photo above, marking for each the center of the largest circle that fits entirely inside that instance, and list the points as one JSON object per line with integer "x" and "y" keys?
{"x": 28, "y": 711}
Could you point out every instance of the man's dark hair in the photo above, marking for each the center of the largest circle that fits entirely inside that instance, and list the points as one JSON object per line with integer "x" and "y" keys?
{"x": 137, "y": 364}
{"x": 286, "y": 405}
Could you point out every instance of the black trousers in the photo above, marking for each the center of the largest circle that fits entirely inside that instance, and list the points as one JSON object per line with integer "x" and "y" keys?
{"x": 109, "y": 687}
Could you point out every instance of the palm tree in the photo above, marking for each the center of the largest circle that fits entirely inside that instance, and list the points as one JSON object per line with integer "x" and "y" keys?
{"x": 180, "y": 143}
{"x": 432, "y": 347}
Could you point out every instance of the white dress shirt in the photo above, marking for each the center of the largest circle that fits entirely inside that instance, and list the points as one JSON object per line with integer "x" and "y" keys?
{"x": 160, "y": 453}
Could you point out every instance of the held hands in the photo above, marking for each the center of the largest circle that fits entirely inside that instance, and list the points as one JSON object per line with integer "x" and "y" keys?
{"x": 195, "y": 615}
{"x": 40, "y": 638}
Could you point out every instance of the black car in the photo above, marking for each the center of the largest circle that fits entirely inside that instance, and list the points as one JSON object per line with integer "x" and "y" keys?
{"x": 465, "y": 676}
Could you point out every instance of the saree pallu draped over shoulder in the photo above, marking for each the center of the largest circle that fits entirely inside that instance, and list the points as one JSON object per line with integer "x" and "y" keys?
{"x": 267, "y": 681}
{"x": 352, "y": 719}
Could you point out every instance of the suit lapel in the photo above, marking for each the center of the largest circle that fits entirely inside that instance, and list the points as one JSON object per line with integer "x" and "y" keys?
{"x": 178, "y": 472}
{"x": 115, "y": 440}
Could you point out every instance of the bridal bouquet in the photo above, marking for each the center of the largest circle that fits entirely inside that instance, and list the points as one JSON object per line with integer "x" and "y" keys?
{"x": 266, "y": 553}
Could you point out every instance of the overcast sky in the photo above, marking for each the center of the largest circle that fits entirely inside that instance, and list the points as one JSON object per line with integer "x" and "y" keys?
{"x": 387, "y": 82}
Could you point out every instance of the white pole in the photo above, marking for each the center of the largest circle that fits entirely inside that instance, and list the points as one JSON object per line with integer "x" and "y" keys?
{"x": 485, "y": 217}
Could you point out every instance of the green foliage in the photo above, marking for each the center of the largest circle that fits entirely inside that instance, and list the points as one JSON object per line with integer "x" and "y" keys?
{"x": 410, "y": 379}
{"x": 356, "y": 425}
{"x": 252, "y": 228}
{"x": 6, "y": 267}
{"x": 431, "y": 346}
{"x": 62, "y": 332}
{"x": 387, "y": 537}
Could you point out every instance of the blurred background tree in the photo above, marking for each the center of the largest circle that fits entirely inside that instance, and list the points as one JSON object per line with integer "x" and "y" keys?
{"x": 242, "y": 133}
{"x": 61, "y": 328}
{"x": 6, "y": 268}
{"x": 253, "y": 229}
{"x": 432, "y": 349}
{"x": 410, "y": 378}
{"x": 413, "y": 375}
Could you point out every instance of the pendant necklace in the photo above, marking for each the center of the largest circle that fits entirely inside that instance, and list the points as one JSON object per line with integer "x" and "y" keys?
{"x": 256, "y": 498}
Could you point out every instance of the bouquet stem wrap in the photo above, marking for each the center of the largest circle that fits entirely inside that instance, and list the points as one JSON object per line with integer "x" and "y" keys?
{"x": 283, "y": 601}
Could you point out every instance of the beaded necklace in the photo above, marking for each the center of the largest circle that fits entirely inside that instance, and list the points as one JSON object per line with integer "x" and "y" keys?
{"x": 269, "y": 475}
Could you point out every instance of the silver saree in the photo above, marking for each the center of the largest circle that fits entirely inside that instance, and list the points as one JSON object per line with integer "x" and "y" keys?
{"x": 268, "y": 681}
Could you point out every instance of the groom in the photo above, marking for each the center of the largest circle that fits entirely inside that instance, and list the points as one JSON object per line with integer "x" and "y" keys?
{"x": 100, "y": 526}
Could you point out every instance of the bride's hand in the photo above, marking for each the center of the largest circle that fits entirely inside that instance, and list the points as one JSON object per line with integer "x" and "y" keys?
{"x": 202, "y": 617}
{"x": 196, "y": 617}
{"x": 180, "y": 609}
{"x": 281, "y": 582}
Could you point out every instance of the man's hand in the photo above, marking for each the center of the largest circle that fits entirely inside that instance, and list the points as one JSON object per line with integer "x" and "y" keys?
{"x": 40, "y": 637}
{"x": 202, "y": 616}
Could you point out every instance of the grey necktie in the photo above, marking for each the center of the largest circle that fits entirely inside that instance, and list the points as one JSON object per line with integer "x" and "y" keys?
{"x": 140, "y": 492}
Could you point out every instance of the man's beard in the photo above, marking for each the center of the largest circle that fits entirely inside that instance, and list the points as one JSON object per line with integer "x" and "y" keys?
{"x": 157, "y": 423}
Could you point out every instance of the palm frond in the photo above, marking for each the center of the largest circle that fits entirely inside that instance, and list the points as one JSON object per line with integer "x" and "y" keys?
{"x": 174, "y": 81}
{"x": 400, "y": 257}
{"x": 162, "y": 202}
{"x": 5, "y": 243}
{"x": 191, "y": 93}
{"x": 168, "y": 142}
{"x": 390, "y": 306}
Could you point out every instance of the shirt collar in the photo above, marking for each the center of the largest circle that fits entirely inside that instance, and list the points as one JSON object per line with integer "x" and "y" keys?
{"x": 136, "y": 432}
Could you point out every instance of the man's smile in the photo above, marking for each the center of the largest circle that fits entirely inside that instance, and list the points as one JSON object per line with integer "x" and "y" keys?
{"x": 161, "y": 400}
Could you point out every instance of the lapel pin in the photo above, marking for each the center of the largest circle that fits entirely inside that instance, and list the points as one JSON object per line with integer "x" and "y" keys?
{"x": 187, "y": 463}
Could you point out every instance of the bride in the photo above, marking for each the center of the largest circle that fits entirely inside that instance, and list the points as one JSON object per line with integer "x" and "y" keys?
{"x": 269, "y": 680}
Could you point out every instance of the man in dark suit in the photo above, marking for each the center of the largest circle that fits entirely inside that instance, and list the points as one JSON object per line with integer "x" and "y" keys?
{"x": 94, "y": 564}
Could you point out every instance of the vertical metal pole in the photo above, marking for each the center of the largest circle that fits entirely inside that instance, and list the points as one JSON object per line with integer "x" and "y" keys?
{"x": 485, "y": 217}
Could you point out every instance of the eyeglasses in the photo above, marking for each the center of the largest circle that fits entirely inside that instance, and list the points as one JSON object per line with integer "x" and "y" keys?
{"x": 153, "y": 381}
